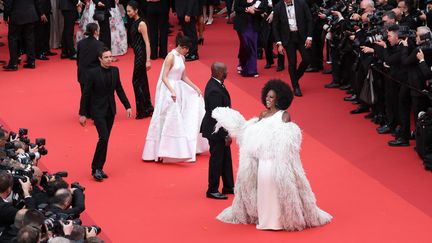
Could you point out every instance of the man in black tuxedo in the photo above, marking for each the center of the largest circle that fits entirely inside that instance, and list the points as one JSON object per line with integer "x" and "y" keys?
{"x": 187, "y": 13}
{"x": 21, "y": 16}
{"x": 157, "y": 18}
{"x": 292, "y": 29}
{"x": 88, "y": 52}
{"x": 220, "y": 164}
{"x": 98, "y": 94}
{"x": 69, "y": 12}
{"x": 42, "y": 33}
{"x": 105, "y": 30}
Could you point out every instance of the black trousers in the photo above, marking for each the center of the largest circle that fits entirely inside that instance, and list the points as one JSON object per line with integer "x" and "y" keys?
{"x": 296, "y": 44}
{"x": 189, "y": 30}
{"x": 220, "y": 164}
{"x": 103, "y": 127}
{"x": 68, "y": 33}
{"x": 404, "y": 112}
{"x": 317, "y": 56}
{"x": 391, "y": 102}
{"x": 158, "y": 32}
{"x": 42, "y": 36}
{"x": 229, "y": 5}
{"x": 16, "y": 32}
{"x": 105, "y": 31}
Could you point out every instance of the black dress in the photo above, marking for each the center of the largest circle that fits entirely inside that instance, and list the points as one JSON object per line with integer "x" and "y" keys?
{"x": 139, "y": 79}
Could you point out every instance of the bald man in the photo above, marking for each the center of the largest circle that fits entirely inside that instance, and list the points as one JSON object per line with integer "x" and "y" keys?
{"x": 220, "y": 163}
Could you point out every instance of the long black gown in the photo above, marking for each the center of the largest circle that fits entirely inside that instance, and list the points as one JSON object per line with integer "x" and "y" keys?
{"x": 144, "y": 106}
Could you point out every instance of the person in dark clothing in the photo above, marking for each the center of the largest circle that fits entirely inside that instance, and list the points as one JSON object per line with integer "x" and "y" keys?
{"x": 69, "y": 12}
{"x": 42, "y": 30}
{"x": 157, "y": 18}
{"x": 187, "y": 13}
{"x": 104, "y": 25}
{"x": 141, "y": 45}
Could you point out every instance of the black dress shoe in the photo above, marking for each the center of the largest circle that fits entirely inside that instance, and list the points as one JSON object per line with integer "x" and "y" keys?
{"x": 384, "y": 129}
{"x": 190, "y": 58}
{"x": 143, "y": 115}
{"x": 359, "y": 110}
{"x": 312, "y": 70}
{"x": 97, "y": 175}
{"x": 350, "y": 91}
{"x": 104, "y": 175}
{"x": 64, "y": 56}
{"x": 398, "y": 142}
{"x": 49, "y": 53}
{"x": 42, "y": 57}
{"x": 10, "y": 68}
{"x": 279, "y": 69}
{"x": 328, "y": 71}
{"x": 297, "y": 92}
{"x": 29, "y": 65}
{"x": 345, "y": 87}
{"x": 370, "y": 115}
{"x": 73, "y": 57}
{"x": 350, "y": 98}
{"x": 216, "y": 195}
{"x": 267, "y": 66}
{"x": 332, "y": 85}
{"x": 227, "y": 190}
{"x": 355, "y": 102}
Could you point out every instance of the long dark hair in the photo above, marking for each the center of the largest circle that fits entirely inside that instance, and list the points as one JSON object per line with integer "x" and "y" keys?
{"x": 135, "y": 6}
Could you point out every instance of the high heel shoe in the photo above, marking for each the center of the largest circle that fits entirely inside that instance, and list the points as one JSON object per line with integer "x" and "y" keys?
{"x": 201, "y": 41}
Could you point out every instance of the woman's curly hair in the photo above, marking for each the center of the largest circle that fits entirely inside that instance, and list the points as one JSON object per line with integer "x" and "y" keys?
{"x": 284, "y": 94}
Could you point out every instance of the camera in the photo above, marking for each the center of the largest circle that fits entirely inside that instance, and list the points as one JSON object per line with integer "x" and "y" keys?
{"x": 47, "y": 177}
{"x": 40, "y": 142}
{"x": 405, "y": 32}
{"x": 77, "y": 185}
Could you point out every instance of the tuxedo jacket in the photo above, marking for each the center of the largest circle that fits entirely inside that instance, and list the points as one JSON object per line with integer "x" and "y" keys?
{"x": 187, "y": 7}
{"x": 280, "y": 21}
{"x": 20, "y": 12}
{"x": 87, "y": 56}
{"x": 215, "y": 95}
{"x": 98, "y": 94}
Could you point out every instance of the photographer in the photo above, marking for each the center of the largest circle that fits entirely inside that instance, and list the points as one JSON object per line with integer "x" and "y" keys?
{"x": 7, "y": 210}
{"x": 69, "y": 202}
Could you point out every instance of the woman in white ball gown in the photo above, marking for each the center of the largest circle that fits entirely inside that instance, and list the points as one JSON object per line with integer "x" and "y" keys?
{"x": 271, "y": 190}
{"x": 173, "y": 134}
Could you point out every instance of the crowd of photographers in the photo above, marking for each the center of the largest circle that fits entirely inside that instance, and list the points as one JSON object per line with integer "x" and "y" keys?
{"x": 381, "y": 54}
{"x": 37, "y": 206}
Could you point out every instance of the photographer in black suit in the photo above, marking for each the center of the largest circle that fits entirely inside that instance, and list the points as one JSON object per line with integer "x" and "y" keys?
{"x": 220, "y": 164}
{"x": 292, "y": 29}
{"x": 21, "y": 16}
{"x": 98, "y": 94}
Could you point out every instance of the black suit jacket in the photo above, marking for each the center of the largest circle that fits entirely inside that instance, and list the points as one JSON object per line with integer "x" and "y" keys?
{"x": 67, "y": 5}
{"x": 280, "y": 21}
{"x": 21, "y": 12}
{"x": 87, "y": 56}
{"x": 99, "y": 93}
{"x": 8, "y": 211}
{"x": 45, "y": 7}
{"x": 215, "y": 95}
{"x": 187, "y": 7}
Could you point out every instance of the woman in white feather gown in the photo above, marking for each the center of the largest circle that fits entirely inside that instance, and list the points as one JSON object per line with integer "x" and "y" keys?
{"x": 271, "y": 190}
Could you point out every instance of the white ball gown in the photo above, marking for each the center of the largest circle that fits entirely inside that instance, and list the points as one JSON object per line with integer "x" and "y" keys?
{"x": 271, "y": 189}
{"x": 173, "y": 134}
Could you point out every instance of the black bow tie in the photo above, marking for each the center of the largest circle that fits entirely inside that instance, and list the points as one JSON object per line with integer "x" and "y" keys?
{"x": 288, "y": 4}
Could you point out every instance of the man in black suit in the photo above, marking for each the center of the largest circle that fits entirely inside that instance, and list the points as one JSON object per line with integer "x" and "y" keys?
{"x": 292, "y": 29}
{"x": 220, "y": 163}
{"x": 157, "y": 17}
{"x": 21, "y": 16}
{"x": 88, "y": 52}
{"x": 42, "y": 33}
{"x": 98, "y": 94}
{"x": 68, "y": 9}
{"x": 105, "y": 30}
{"x": 7, "y": 209}
{"x": 187, "y": 13}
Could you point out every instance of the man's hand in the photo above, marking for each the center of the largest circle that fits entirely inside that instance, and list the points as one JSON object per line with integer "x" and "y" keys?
{"x": 355, "y": 17}
{"x": 187, "y": 18}
{"x": 366, "y": 49}
{"x": 281, "y": 49}
{"x": 381, "y": 43}
{"x": 228, "y": 141}
{"x": 90, "y": 232}
{"x": 33, "y": 150}
{"x": 129, "y": 112}
{"x": 100, "y": 4}
{"x": 420, "y": 55}
{"x": 404, "y": 42}
{"x": 68, "y": 227}
{"x": 270, "y": 18}
{"x": 308, "y": 43}
{"x": 26, "y": 186}
{"x": 44, "y": 19}
{"x": 82, "y": 120}
{"x": 336, "y": 13}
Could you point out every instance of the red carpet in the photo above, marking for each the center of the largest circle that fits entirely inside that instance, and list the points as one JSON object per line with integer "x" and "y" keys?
{"x": 375, "y": 193}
